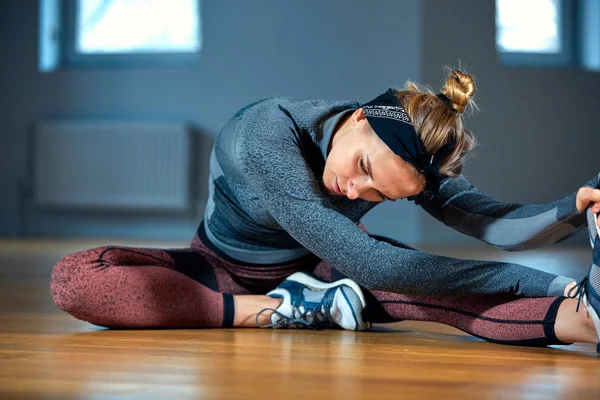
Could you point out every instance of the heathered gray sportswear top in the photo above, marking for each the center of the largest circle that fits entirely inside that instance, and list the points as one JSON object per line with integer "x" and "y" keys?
{"x": 266, "y": 205}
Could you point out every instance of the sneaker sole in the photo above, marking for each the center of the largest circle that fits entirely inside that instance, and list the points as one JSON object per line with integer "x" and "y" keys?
{"x": 593, "y": 314}
{"x": 318, "y": 285}
{"x": 591, "y": 220}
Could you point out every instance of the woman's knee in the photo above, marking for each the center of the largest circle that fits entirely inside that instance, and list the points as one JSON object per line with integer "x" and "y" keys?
{"x": 71, "y": 276}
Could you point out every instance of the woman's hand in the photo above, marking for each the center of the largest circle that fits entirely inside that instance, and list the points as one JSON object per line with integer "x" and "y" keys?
{"x": 587, "y": 195}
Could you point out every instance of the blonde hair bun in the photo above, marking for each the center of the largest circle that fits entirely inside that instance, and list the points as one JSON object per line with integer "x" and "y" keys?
{"x": 459, "y": 88}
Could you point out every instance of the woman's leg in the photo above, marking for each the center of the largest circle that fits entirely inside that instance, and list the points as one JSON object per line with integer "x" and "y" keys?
{"x": 500, "y": 319}
{"x": 506, "y": 319}
{"x": 574, "y": 325}
{"x": 123, "y": 287}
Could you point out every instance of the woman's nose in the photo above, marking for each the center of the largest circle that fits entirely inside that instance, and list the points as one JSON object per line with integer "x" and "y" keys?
{"x": 352, "y": 191}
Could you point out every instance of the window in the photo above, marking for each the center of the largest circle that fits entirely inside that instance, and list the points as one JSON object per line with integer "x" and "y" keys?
{"x": 590, "y": 34}
{"x": 535, "y": 32}
{"x": 118, "y": 32}
{"x": 136, "y": 26}
{"x": 530, "y": 26}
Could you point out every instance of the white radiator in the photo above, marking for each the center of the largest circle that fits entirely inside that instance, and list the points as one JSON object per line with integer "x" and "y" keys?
{"x": 112, "y": 165}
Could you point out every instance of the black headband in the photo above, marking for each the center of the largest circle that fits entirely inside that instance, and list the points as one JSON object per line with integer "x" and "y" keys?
{"x": 390, "y": 122}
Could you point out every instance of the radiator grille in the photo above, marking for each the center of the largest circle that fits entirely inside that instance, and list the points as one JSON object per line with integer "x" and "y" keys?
{"x": 112, "y": 165}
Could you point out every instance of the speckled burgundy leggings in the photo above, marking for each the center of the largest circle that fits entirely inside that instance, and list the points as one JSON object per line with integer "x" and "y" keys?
{"x": 125, "y": 287}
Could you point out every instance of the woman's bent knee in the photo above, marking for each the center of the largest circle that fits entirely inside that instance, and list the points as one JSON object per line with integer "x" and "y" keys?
{"x": 70, "y": 278}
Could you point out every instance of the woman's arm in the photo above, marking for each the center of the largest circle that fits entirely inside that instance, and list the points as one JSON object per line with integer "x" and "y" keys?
{"x": 268, "y": 152}
{"x": 507, "y": 226}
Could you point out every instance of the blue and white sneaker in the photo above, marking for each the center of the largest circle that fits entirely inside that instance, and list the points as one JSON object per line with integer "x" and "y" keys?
{"x": 310, "y": 303}
{"x": 588, "y": 290}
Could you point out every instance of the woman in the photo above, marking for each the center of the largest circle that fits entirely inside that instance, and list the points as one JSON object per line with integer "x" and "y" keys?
{"x": 290, "y": 181}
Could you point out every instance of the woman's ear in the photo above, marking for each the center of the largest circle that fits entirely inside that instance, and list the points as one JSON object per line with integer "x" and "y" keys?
{"x": 358, "y": 115}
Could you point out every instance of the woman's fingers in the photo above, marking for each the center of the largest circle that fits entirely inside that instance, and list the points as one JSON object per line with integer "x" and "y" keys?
{"x": 586, "y": 196}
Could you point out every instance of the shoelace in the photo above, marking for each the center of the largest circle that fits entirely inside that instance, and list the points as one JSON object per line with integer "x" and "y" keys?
{"x": 580, "y": 290}
{"x": 319, "y": 318}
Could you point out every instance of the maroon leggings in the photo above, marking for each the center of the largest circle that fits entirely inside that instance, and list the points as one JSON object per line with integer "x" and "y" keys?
{"x": 125, "y": 287}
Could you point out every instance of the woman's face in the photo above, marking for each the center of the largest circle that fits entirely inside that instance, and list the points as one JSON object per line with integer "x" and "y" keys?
{"x": 361, "y": 165}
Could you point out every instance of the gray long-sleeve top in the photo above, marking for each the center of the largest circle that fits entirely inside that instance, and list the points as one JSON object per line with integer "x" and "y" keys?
{"x": 266, "y": 205}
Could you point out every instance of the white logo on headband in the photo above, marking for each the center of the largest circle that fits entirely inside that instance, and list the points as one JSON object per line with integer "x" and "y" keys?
{"x": 393, "y": 112}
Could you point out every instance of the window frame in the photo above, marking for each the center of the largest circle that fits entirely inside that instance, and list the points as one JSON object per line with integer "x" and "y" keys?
{"x": 71, "y": 58}
{"x": 568, "y": 39}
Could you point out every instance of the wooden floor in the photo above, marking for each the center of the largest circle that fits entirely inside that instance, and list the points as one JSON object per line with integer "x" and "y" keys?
{"x": 46, "y": 354}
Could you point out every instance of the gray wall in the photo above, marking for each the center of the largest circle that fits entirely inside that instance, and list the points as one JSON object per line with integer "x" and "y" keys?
{"x": 309, "y": 49}
{"x": 537, "y": 128}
